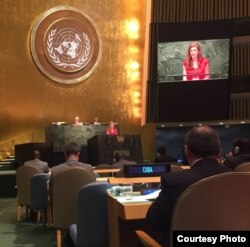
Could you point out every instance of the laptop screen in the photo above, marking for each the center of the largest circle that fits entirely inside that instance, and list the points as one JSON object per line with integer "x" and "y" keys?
{"x": 146, "y": 169}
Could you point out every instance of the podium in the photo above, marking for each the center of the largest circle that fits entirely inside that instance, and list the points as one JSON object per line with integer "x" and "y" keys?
{"x": 102, "y": 148}
{"x": 61, "y": 135}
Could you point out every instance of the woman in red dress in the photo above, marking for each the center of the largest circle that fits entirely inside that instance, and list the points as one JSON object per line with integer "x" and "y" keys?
{"x": 195, "y": 66}
{"x": 112, "y": 130}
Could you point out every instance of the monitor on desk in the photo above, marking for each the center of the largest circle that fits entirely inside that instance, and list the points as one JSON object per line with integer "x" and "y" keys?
{"x": 146, "y": 169}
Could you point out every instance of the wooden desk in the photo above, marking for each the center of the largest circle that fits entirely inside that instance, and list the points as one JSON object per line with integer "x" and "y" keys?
{"x": 102, "y": 179}
{"x": 113, "y": 180}
{"x": 185, "y": 167}
{"x": 125, "y": 211}
{"x": 113, "y": 170}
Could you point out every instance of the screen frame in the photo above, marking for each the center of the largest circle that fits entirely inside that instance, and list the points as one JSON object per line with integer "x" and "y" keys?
{"x": 207, "y": 46}
{"x": 166, "y": 32}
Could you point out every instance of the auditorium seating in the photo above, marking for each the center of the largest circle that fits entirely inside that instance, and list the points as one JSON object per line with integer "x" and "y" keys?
{"x": 39, "y": 195}
{"x": 23, "y": 178}
{"x": 245, "y": 167}
{"x": 91, "y": 228}
{"x": 217, "y": 203}
{"x": 65, "y": 188}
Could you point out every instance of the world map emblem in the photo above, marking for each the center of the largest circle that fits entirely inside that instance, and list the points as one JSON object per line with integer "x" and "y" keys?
{"x": 66, "y": 49}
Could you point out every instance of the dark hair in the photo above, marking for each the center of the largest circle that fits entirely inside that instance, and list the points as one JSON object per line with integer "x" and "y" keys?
{"x": 243, "y": 144}
{"x": 203, "y": 141}
{"x": 162, "y": 151}
{"x": 72, "y": 148}
{"x": 119, "y": 155}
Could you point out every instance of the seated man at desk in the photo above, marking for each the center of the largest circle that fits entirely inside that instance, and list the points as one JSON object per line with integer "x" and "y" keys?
{"x": 72, "y": 154}
{"x": 77, "y": 121}
{"x": 120, "y": 161}
{"x": 163, "y": 157}
{"x": 96, "y": 121}
{"x": 37, "y": 162}
{"x": 240, "y": 153}
{"x": 202, "y": 148}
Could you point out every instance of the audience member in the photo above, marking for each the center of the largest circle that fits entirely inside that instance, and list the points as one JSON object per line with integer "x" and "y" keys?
{"x": 72, "y": 154}
{"x": 163, "y": 157}
{"x": 112, "y": 130}
{"x": 202, "y": 148}
{"x": 96, "y": 121}
{"x": 240, "y": 153}
{"x": 77, "y": 121}
{"x": 37, "y": 162}
{"x": 120, "y": 161}
{"x": 40, "y": 165}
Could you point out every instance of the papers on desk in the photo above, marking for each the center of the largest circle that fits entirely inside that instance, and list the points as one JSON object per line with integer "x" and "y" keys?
{"x": 151, "y": 196}
{"x": 131, "y": 200}
{"x": 139, "y": 199}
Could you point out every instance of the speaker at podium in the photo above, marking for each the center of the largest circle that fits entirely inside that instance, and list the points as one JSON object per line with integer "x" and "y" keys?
{"x": 102, "y": 148}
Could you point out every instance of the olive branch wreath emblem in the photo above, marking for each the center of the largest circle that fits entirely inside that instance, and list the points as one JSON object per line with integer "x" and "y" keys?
{"x": 81, "y": 61}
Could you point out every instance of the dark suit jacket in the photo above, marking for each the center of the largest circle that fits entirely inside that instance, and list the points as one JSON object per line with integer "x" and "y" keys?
{"x": 173, "y": 184}
{"x": 165, "y": 158}
{"x": 237, "y": 160}
{"x": 122, "y": 162}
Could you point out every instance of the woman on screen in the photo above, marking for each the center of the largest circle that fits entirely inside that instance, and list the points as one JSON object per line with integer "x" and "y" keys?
{"x": 195, "y": 66}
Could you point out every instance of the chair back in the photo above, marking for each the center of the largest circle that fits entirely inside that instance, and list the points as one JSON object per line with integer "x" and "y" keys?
{"x": 23, "y": 178}
{"x": 65, "y": 188}
{"x": 245, "y": 167}
{"x": 92, "y": 215}
{"x": 220, "y": 202}
{"x": 38, "y": 192}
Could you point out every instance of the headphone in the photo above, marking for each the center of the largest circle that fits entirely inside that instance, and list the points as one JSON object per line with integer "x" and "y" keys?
{"x": 236, "y": 150}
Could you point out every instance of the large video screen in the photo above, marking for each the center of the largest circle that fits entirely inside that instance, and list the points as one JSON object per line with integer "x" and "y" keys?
{"x": 190, "y": 71}
{"x": 193, "y": 60}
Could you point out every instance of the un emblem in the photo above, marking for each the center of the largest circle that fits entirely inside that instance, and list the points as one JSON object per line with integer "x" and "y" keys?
{"x": 65, "y": 45}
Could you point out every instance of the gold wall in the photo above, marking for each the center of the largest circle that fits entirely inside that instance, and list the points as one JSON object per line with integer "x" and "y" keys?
{"x": 30, "y": 101}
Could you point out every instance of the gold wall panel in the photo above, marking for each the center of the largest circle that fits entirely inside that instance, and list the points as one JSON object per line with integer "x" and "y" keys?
{"x": 30, "y": 101}
{"x": 198, "y": 10}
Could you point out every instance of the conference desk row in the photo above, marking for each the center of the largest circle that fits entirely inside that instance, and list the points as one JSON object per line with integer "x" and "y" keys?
{"x": 121, "y": 211}
{"x": 124, "y": 215}
{"x": 128, "y": 212}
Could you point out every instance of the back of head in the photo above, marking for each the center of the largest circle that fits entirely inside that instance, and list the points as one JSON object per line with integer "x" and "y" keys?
{"x": 162, "y": 151}
{"x": 203, "y": 141}
{"x": 72, "y": 149}
{"x": 119, "y": 155}
{"x": 36, "y": 154}
{"x": 241, "y": 146}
